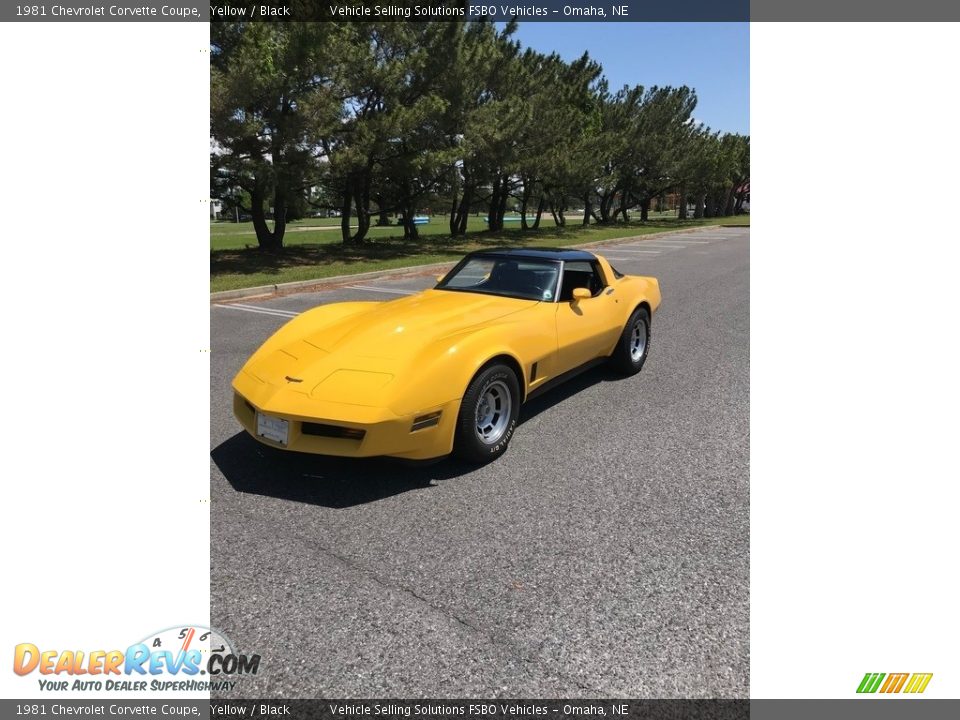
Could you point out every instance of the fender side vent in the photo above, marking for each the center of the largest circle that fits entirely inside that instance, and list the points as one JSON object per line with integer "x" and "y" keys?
{"x": 533, "y": 372}
{"x": 424, "y": 421}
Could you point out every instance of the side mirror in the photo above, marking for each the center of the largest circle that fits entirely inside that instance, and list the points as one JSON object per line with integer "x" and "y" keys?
{"x": 581, "y": 294}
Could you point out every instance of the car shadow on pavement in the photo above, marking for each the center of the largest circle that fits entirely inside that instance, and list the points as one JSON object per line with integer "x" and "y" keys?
{"x": 251, "y": 467}
{"x": 595, "y": 375}
{"x": 333, "y": 482}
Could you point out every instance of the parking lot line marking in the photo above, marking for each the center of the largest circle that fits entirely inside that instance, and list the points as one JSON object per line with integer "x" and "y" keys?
{"x": 259, "y": 311}
{"x": 382, "y": 290}
{"x": 692, "y": 242}
{"x": 631, "y": 251}
{"x": 264, "y": 307}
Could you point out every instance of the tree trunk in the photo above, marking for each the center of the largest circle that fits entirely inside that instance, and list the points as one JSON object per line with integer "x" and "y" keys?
{"x": 382, "y": 218}
{"x": 464, "y": 211}
{"x": 731, "y": 201}
{"x": 587, "y": 209}
{"x": 453, "y": 213}
{"x": 624, "y": 203}
{"x": 606, "y": 205}
{"x": 362, "y": 199}
{"x": 524, "y": 200}
{"x": 536, "y": 221}
{"x": 644, "y": 209}
{"x": 502, "y": 207}
{"x": 698, "y": 209}
{"x": 346, "y": 204}
{"x": 279, "y": 218}
{"x": 363, "y": 224}
{"x": 682, "y": 205}
{"x": 259, "y": 220}
{"x": 498, "y": 204}
{"x": 266, "y": 240}
{"x": 461, "y": 211}
{"x": 494, "y": 205}
{"x": 410, "y": 231}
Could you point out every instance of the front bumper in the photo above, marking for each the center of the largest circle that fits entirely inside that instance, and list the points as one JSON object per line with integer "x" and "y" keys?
{"x": 384, "y": 433}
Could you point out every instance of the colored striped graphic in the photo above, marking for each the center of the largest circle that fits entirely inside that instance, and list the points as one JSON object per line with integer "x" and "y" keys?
{"x": 918, "y": 683}
{"x": 870, "y": 683}
{"x": 894, "y": 682}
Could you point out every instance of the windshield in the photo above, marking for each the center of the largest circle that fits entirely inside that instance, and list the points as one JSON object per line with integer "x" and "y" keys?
{"x": 512, "y": 277}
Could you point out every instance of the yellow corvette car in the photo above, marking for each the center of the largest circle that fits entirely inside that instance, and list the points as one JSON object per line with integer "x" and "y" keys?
{"x": 447, "y": 369}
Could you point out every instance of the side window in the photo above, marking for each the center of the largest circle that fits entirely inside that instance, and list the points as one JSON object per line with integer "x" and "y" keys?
{"x": 581, "y": 274}
{"x": 597, "y": 285}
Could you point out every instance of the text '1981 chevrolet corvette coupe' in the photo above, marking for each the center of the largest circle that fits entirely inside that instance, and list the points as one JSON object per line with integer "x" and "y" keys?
{"x": 447, "y": 369}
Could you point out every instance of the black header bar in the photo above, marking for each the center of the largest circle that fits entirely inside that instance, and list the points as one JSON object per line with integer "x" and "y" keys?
{"x": 463, "y": 10}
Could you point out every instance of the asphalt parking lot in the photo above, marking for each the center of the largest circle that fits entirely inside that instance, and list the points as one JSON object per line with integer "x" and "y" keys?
{"x": 606, "y": 554}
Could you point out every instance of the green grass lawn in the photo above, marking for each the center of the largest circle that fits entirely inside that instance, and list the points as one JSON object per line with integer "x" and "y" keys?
{"x": 235, "y": 261}
{"x": 233, "y": 236}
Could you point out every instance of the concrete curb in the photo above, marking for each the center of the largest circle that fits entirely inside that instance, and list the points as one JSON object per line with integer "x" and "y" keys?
{"x": 304, "y": 285}
{"x": 281, "y": 288}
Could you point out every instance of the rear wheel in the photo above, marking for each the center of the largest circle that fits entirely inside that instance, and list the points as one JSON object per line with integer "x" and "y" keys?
{"x": 488, "y": 414}
{"x": 634, "y": 344}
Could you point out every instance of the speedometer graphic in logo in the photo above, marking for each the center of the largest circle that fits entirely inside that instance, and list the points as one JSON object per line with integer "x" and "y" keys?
{"x": 208, "y": 649}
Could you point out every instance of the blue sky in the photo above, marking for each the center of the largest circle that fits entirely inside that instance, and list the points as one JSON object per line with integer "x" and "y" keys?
{"x": 713, "y": 58}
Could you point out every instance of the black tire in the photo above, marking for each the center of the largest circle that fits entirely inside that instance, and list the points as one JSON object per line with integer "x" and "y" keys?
{"x": 626, "y": 358}
{"x": 495, "y": 389}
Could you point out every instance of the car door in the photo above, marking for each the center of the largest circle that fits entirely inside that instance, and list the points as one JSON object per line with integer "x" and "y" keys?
{"x": 587, "y": 328}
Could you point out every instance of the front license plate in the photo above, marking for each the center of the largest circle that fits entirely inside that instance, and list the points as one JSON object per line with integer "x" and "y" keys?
{"x": 276, "y": 429}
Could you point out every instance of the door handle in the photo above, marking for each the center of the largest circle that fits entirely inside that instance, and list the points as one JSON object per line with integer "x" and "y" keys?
{"x": 609, "y": 291}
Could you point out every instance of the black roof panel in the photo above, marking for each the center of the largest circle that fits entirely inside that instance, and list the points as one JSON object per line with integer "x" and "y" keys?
{"x": 539, "y": 253}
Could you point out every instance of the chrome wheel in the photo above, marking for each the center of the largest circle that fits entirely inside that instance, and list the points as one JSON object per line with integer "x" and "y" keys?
{"x": 638, "y": 339}
{"x": 493, "y": 412}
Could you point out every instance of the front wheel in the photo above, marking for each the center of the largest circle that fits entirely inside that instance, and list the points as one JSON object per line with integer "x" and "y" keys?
{"x": 488, "y": 415}
{"x": 634, "y": 343}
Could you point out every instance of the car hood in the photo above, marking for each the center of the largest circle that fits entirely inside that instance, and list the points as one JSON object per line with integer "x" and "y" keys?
{"x": 355, "y": 359}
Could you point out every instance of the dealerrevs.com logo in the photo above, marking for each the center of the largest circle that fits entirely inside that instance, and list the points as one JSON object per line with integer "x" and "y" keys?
{"x": 911, "y": 683}
{"x": 181, "y": 658}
